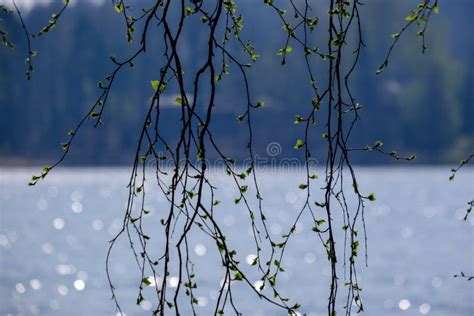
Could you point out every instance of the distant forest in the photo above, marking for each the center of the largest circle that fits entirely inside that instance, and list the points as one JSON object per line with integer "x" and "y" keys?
{"x": 422, "y": 104}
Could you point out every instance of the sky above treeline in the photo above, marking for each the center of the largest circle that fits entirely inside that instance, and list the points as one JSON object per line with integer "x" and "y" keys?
{"x": 27, "y": 5}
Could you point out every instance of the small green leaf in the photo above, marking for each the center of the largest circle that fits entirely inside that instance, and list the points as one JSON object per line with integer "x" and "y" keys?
{"x": 178, "y": 101}
{"x": 371, "y": 197}
{"x": 298, "y": 119}
{"x": 238, "y": 276}
{"x": 118, "y": 8}
{"x": 382, "y": 67}
{"x": 156, "y": 83}
{"x": 303, "y": 186}
{"x": 320, "y": 221}
{"x": 140, "y": 299}
{"x": 299, "y": 144}
{"x": 296, "y": 306}
{"x": 146, "y": 282}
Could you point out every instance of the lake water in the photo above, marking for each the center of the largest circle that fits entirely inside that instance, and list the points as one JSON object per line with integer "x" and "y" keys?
{"x": 54, "y": 237}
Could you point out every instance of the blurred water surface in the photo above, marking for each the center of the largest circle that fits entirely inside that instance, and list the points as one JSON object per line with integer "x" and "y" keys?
{"x": 54, "y": 237}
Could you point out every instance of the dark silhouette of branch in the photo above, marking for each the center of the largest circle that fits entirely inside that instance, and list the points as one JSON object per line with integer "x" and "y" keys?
{"x": 186, "y": 185}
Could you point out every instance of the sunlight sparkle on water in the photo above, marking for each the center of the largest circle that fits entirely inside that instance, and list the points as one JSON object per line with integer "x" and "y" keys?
{"x": 425, "y": 308}
{"x": 146, "y": 305}
{"x": 200, "y": 250}
{"x": 202, "y": 301}
{"x": 58, "y": 223}
{"x": 174, "y": 281}
{"x": 79, "y": 285}
{"x": 250, "y": 259}
{"x": 4, "y": 241}
{"x": 97, "y": 225}
{"x": 20, "y": 288}
{"x": 65, "y": 269}
{"x": 76, "y": 207}
{"x": 63, "y": 290}
{"x": 35, "y": 284}
{"x": 404, "y": 304}
{"x": 258, "y": 285}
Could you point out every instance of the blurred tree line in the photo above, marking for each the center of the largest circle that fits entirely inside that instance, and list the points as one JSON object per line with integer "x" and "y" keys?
{"x": 422, "y": 104}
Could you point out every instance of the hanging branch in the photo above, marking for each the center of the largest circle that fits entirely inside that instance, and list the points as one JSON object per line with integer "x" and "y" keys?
{"x": 3, "y": 33}
{"x": 31, "y": 52}
{"x": 185, "y": 183}
{"x": 419, "y": 17}
{"x": 454, "y": 171}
